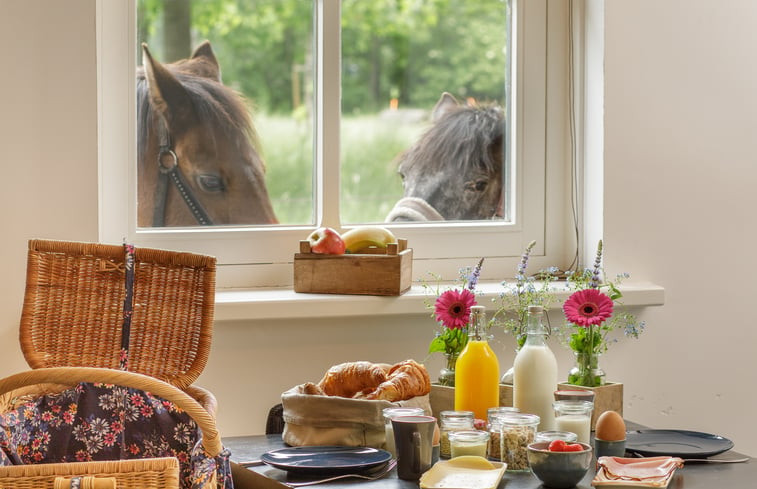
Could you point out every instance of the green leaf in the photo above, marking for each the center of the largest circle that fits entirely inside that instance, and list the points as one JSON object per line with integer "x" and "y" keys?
{"x": 614, "y": 293}
{"x": 437, "y": 345}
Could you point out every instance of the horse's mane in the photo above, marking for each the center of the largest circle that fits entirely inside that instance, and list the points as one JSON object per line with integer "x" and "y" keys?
{"x": 463, "y": 135}
{"x": 215, "y": 104}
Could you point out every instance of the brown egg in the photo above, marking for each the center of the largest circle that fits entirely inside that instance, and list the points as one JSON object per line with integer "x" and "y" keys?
{"x": 610, "y": 427}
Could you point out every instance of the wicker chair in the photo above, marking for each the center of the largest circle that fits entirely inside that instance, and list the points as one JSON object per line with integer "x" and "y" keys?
{"x": 155, "y": 473}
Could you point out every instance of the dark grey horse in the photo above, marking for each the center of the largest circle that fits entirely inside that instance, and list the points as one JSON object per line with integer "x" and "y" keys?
{"x": 454, "y": 172}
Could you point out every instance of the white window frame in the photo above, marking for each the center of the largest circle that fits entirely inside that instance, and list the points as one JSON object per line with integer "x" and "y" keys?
{"x": 262, "y": 257}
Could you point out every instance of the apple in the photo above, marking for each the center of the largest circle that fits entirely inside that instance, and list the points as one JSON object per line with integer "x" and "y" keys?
{"x": 326, "y": 241}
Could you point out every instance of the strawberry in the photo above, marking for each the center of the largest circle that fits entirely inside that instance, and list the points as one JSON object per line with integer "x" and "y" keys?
{"x": 574, "y": 447}
{"x": 557, "y": 446}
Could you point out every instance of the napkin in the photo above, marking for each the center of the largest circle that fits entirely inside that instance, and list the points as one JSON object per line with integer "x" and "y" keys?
{"x": 638, "y": 472}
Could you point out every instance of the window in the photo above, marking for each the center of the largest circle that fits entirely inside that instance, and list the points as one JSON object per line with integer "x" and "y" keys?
{"x": 261, "y": 255}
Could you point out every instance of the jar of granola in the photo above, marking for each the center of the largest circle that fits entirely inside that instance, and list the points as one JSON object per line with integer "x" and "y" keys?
{"x": 495, "y": 428}
{"x": 518, "y": 430}
{"x": 452, "y": 421}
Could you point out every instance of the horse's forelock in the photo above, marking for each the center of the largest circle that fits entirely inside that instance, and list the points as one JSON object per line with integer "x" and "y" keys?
{"x": 215, "y": 105}
{"x": 464, "y": 135}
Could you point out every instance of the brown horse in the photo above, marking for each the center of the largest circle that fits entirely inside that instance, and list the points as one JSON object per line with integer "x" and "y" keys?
{"x": 197, "y": 156}
{"x": 454, "y": 171}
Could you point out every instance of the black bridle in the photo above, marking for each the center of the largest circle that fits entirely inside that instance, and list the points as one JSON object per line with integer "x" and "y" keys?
{"x": 168, "y": 170}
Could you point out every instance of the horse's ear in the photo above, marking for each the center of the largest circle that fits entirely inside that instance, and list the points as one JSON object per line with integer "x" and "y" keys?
{"x": 205, "y": 62}
{"x": 167, "y": 94}
{"x": 446, "y": 104}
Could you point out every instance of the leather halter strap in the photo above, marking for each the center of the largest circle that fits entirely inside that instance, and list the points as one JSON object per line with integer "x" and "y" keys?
{"x": 168, "y": 170}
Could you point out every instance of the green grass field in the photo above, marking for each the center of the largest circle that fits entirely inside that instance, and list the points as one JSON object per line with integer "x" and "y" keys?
{"x": 369, "y": 182}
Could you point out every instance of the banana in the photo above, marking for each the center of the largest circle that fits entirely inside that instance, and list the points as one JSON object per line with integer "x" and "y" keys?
{"x": 364, "y": 236}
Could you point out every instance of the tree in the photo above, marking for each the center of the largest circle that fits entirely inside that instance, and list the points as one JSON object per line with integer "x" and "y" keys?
{"x": 411, "y": 50}
{"x": 177, "y": 17}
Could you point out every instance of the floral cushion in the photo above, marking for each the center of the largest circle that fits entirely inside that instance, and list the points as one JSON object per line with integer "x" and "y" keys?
{"x": 97, "y": 422}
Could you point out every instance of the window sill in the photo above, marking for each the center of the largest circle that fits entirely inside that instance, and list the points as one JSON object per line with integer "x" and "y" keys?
{"x": 284, "y": 303}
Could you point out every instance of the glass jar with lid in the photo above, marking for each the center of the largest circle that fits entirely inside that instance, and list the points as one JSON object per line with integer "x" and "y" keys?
{"x": 566, "y": 436}
{"x": 390, "y": 413}
{"x": 518, "y": 431}
{"x": 497, "y": 410}
{"x": 451, "y": 421}
{"x": 574, "y": 416}
{"x": 495, "y": 428}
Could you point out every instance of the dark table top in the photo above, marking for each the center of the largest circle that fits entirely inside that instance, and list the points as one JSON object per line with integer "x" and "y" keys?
{"x": 692, "y": 476}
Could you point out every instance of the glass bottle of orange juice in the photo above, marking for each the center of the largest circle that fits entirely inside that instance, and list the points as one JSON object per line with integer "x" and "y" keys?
{"x": 477, "y": 370}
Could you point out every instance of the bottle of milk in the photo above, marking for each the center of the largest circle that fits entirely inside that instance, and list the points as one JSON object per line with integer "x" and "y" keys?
{"x": 535, "y": 372}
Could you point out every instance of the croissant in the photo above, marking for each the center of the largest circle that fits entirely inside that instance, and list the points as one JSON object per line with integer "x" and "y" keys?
{"x": 312, "y": 389}
{"x": 351, "y": 378}
{"x": 406, "y": 380}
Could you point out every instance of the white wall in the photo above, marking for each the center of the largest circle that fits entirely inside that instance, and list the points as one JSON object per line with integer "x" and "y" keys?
{"x": 48, "y": 140}
{"x": 680, "y": 113}
{"x": 680, "y": 175}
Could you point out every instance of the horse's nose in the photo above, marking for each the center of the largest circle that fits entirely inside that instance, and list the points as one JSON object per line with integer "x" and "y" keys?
{"x": 413, "y": 209}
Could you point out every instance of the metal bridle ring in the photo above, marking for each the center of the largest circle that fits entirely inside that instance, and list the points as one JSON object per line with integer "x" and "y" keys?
{"x": 162, "y": 167}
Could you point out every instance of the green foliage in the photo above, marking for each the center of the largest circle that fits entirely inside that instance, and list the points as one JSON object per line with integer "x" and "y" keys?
{"x": 586, "y": 340}
{"x": 524, "y": 291}
{"x": 594, "y": 339}
{"x": 449, "y": 341}
{"x": 401, "y": 49}
{"x": 287, "y": 147}
{"x": 370, "y": 184}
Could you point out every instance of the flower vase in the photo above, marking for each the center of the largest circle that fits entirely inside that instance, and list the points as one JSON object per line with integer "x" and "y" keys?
{"x": 586, "y": 371}
{"x": 447, "y": 374}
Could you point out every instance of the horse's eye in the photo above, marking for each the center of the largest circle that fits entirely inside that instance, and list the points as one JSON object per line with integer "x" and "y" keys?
{"x": 481, "y": 185}
{"x": 210, "y": 183}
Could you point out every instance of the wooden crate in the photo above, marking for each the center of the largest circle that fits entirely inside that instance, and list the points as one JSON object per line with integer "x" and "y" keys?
{"x": 379, "y": 271}
{"x": 442, "y": 398}
{"x": 608, "y": 397}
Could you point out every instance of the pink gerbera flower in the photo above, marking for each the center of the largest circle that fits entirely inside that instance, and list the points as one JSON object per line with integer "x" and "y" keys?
{"x": 452, "y": 308}
{"x": 587, "y": 307}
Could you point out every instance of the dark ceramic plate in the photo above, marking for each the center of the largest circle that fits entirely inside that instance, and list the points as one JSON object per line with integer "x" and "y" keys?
{"x": 676, "y": 443}
{"x": 326, "y": 460}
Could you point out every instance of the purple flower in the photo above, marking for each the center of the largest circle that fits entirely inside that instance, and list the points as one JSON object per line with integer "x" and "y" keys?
{"x": 473, "y": 278}
{"x": 524, "y": 260}
{"x": 597, "y": 264}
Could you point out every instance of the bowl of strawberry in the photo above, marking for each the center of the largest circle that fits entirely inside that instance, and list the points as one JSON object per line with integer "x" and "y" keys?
{"x": 559, "y": 464}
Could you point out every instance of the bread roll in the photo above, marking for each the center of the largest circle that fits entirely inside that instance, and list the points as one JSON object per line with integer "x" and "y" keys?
{"x": 367, "y": 380}
{"x": 406, "y": 380}
{"x": 348, "y": 379}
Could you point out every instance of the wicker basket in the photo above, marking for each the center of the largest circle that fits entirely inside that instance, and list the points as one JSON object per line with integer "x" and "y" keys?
{"x": 142, "y": 473}
{"x": 74, "y": 303}
{"x": 73, "y": 326}
{"x": 156, "y": 473}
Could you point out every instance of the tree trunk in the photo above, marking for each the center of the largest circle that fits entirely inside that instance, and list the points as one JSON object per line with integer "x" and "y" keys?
{"x": 177, "y": 18}
{"x": 375, "y": 80}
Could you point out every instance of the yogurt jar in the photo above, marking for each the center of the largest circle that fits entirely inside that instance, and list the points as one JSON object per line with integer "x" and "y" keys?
{"x": 575, "y": 417}
{"x": 469, "y": 442}
{"x": 450, "y": 422}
